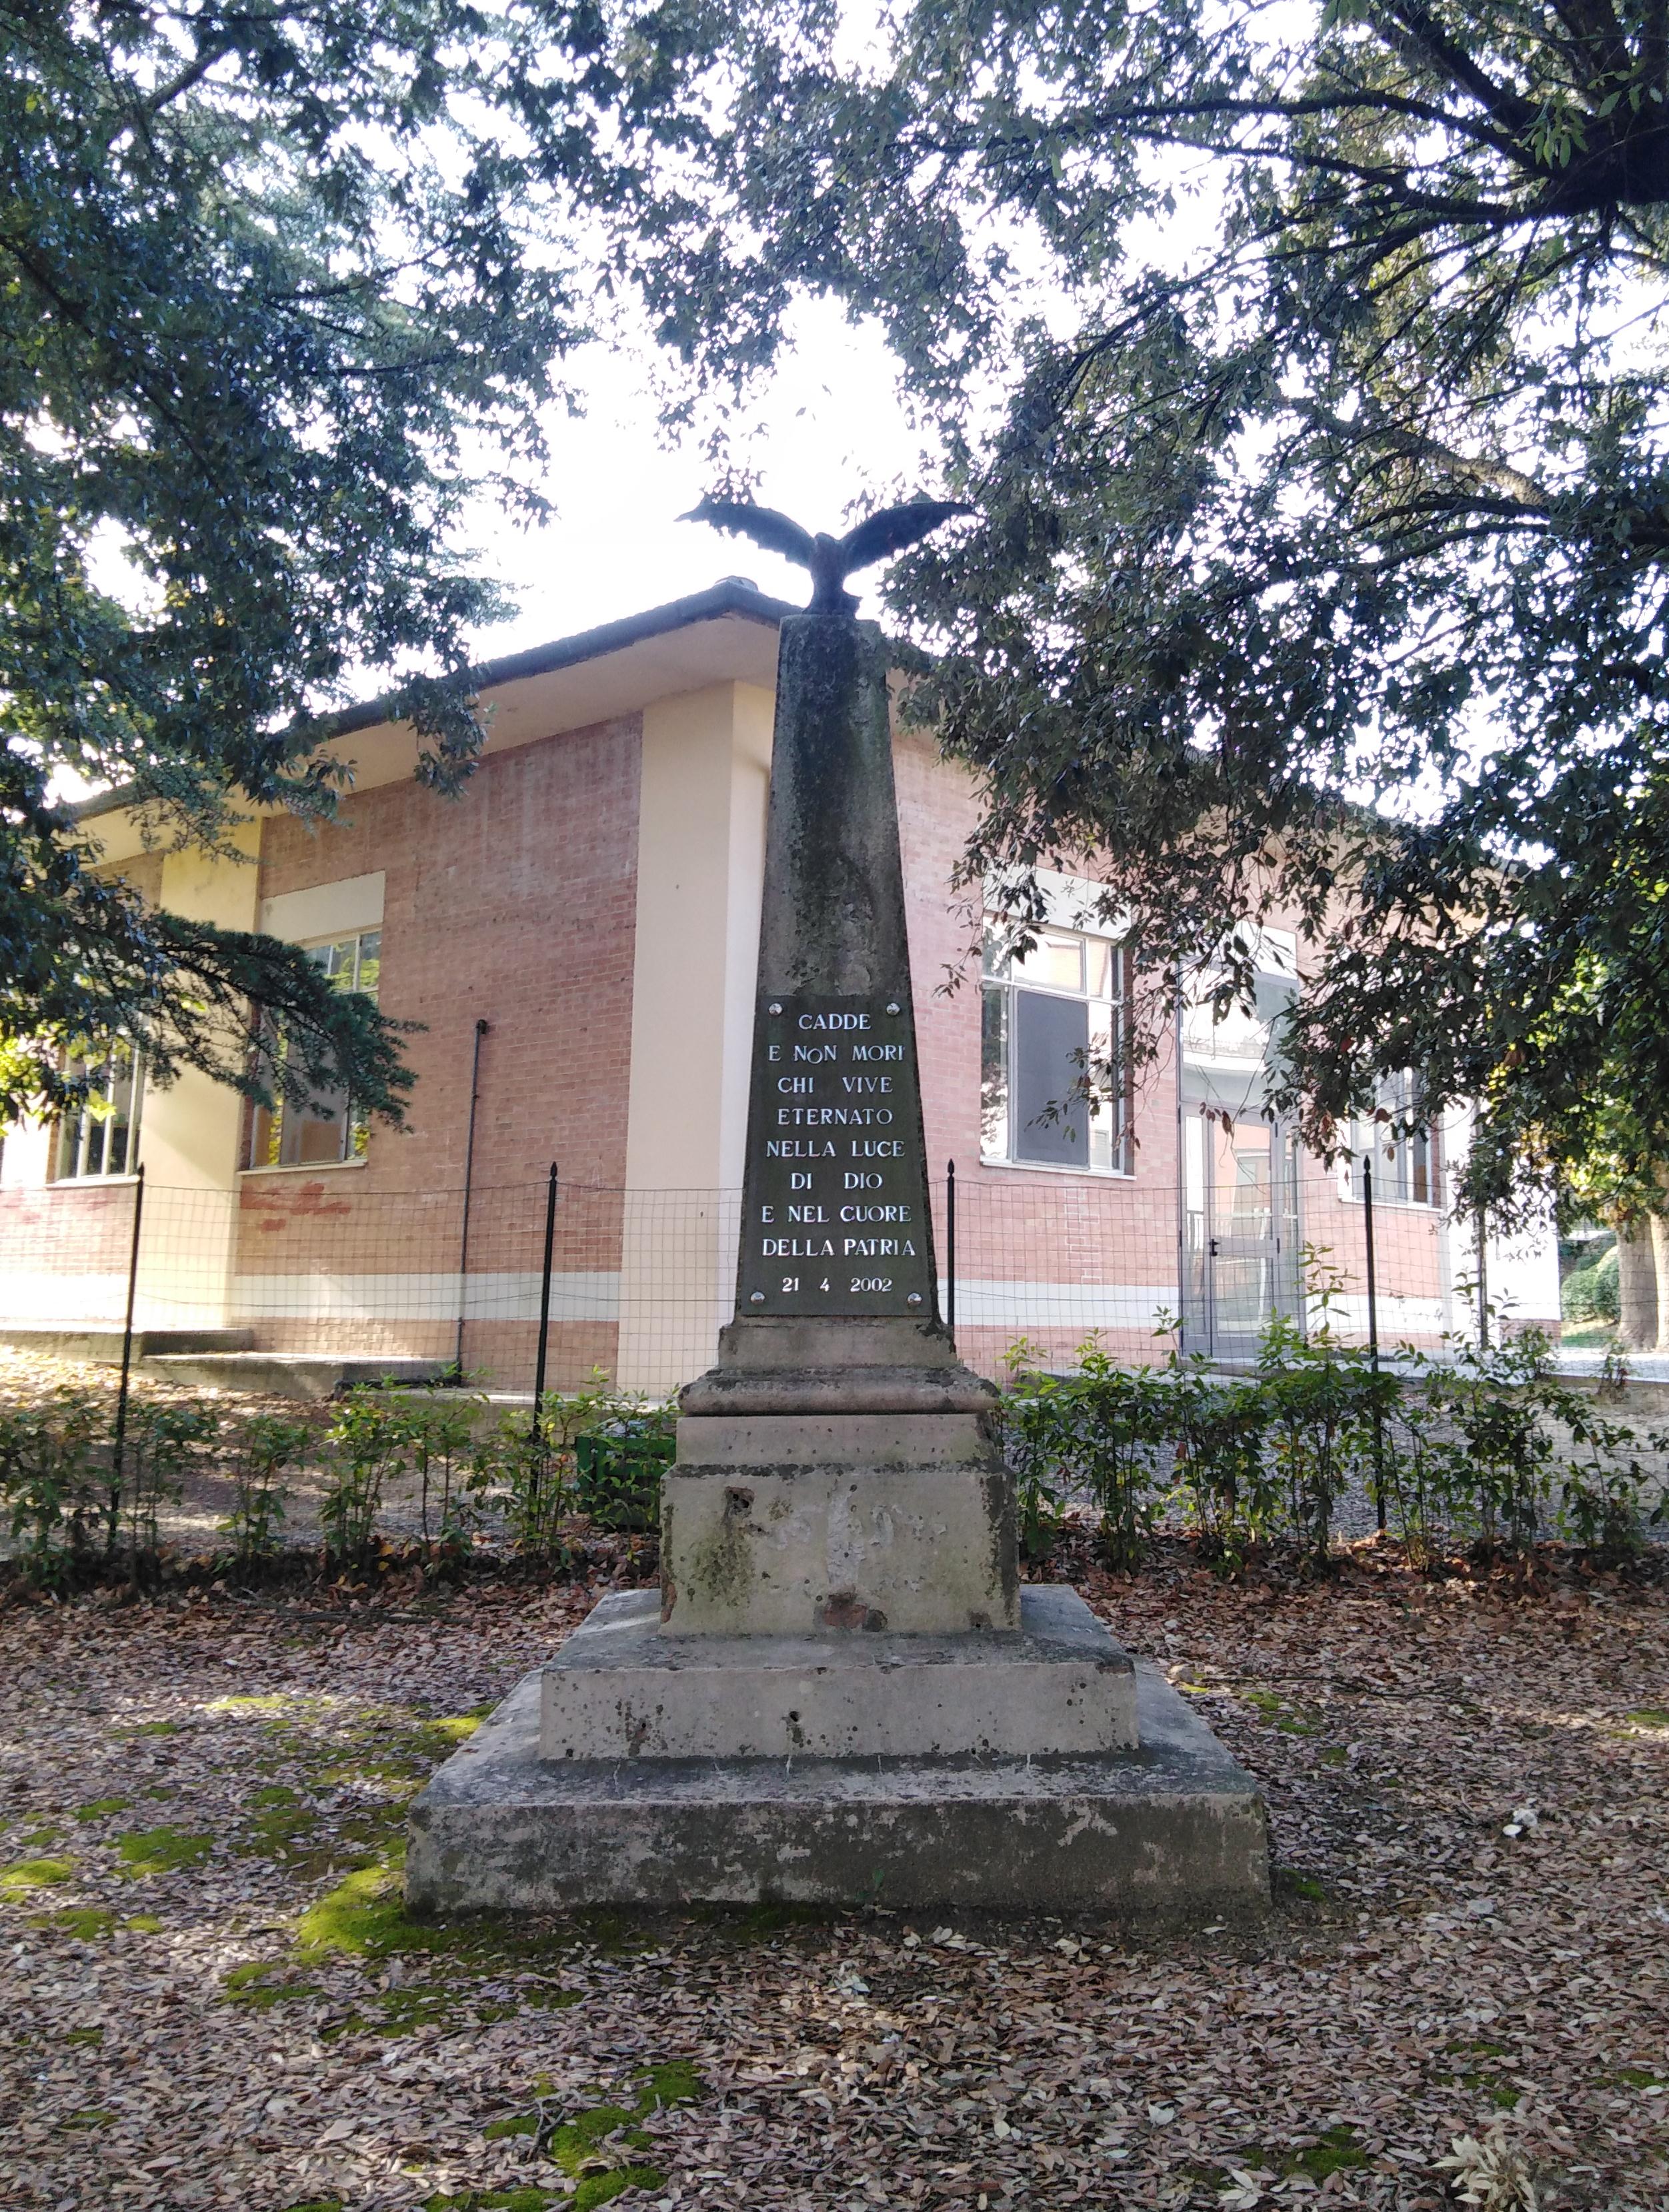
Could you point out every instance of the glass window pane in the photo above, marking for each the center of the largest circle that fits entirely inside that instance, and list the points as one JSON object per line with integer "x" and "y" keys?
{"x": 994, "y": 1077}
{"x": 1103, "y": 959}
{"x": 1055, "y": 962}
{"x": 1051, "y": 1037}
{"x": 994, "y": 957}
{"x": 370, "y": 962}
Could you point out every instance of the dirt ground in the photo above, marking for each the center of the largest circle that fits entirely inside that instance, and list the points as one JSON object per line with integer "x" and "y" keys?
{"x": 214, "y": 2000}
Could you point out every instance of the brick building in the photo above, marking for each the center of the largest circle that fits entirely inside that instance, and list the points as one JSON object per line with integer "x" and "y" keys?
{"x": 593, "y": 899}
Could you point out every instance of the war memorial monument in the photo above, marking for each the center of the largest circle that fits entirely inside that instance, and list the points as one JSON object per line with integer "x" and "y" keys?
{"x": 842, "y": 1693}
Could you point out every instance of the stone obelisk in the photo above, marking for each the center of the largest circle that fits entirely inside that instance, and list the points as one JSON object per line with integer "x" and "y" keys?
{"x": 836, "y": 1468}
{"x": 841, "y": 1692}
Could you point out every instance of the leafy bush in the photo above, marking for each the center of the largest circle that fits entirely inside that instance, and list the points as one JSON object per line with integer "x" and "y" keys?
{"x": 1326, "y": 1403}
{"x": 518, "y": 1461}
{"x": 365, "y": 1446}
{"x": 266, "y": 1447}
{"x": 56, "y": 1478}
{"x": 1483, "y": 1441}
{"x": 618, "y": 1466}
{"x": 1592, "y": 1293}
{"x": 164, "y": 1436}
{"x": 438, "y": 1432}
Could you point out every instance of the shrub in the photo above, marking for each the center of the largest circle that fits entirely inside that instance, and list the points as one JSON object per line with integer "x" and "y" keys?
{"x": 364, "y": 1446}
{"x": 1592, "y": 1293}
{"x": 1325, "y": 1406}
{"x": 518, "y": 1461}
{"x": 266, "y": 1446}
{"x": 164, "y": 1436}
{"x": 1107, "y": 1422}
{"x": 437, "y": 1434}
{"x": 618, "y": 1466}
{"x": 1218, "y": 1430}
{"x": 56, "y": 1477}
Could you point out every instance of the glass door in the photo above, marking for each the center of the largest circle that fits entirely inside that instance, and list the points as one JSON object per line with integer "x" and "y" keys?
{"x": 1242, "y": 1231}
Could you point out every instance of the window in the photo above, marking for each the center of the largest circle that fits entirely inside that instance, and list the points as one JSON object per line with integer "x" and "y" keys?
{"x": 1407, "y": 1170}
{"x": 103, "y": 1138}
{"x": 1054, "y": 1034}
{"x": 327, "y": 1130}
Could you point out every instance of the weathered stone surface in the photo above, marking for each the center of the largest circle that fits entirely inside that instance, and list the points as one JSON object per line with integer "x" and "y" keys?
{"x": 776, "y": 1549}
{"x": 1175, "y": 1827}
{"x": 619, "y": 1690}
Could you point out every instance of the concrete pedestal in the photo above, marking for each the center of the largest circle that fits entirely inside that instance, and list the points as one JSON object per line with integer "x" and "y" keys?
{"x": 1036, "y": 1771}
{"x": 1173, "y": 1828}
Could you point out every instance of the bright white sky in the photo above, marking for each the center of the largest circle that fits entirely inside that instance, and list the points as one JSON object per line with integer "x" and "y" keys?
{"x": 830, "y": 429}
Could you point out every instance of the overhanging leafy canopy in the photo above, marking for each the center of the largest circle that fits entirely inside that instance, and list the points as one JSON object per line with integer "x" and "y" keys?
{"x": 281, "y": 287}
{"x": 1322, "y": 563}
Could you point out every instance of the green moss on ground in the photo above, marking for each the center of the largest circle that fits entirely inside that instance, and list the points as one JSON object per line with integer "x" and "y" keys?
{"x": 1339, "y": 2150}
{"x": 91, "y": 2036}
{"x": 1290, "y": 1882}
{"x": 84, "y": 1923}
{"x": 161, "y": 1850}
{"x": 23, "y": 1876}
{"x": 1278, "y": 1713}
{"x": 100, "y": 1809}
{"x": 93, "y": 2116}
{"x": 265, "y": 1982}
{"x": 151, "y": 1728}
{"x": 499, "y": 2200}
{"x": 1648, "y": 1717}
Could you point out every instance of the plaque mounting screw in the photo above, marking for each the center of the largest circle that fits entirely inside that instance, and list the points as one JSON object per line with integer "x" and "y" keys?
{"x": 914, "y": 1298}
{"x": 757, "y": 1299}
{"x": 776, "y": 1008}
{"x": 892, "y": 1005}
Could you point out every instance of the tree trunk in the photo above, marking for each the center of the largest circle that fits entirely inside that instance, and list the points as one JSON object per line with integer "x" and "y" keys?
{"x": 1660, "y": 1339}
{"x": 1642, "y": 1259}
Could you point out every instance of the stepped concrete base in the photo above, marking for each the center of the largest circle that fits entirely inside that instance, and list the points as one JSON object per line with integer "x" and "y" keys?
{"x": 1175, "y": 1828}
{"x": 621, "y": 1689}
{"x": 308, "y": 1375}
{"x": 99, "y": 1342}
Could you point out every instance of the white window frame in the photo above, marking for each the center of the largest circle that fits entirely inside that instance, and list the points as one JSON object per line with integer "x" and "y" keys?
{"x": 264, "y": 1129}
{"x": 85, "y": 1121}
{"x": 1397, "y": 1165}
{"x": 1113, "y": 1111}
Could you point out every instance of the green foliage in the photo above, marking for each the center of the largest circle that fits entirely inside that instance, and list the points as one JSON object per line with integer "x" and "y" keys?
{"x": 267, "y": 1447}
{"x": 1592, "y": 1293}
{"x": 618, "y": 1466}
{"x": 518, "y": 1466}
{"x": 437, "y": 1431}
{"x": 164, "y": 1437}
{"x": 365, "y": 1448}
{"x": 1337, "y": 469}
{"x": 55, "y": 1476}
{"x": 1484, "y": 1442}
{"x": 1326, "y": 1405}
{"x": 600, "y": 1450}
{"x": 285, "y": 289}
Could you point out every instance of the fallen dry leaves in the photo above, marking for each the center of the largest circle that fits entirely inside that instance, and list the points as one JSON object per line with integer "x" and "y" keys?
{"x": 186, "y": 1779}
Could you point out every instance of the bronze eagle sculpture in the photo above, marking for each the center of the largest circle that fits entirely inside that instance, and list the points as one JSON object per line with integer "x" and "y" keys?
{"x": 830, "y": 560}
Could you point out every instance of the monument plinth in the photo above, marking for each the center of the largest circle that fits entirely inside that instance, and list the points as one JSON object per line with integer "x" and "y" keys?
{"x": 836, "y": 1468}
{"x": 841, "y": 1693}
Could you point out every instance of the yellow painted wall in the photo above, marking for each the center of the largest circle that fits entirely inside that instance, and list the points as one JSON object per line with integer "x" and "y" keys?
{"x": 706, "y": 770}
{"x": 188, "y": 1138}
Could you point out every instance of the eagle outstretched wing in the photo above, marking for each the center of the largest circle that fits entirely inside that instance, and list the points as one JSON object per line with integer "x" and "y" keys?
{"x": 777, "y": 532}
{"x": 893, "y": 529}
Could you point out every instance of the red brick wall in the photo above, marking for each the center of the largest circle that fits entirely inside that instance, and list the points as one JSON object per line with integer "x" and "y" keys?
{"x": 514, "y": 902}
{"x": 1016, "y": 1225}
